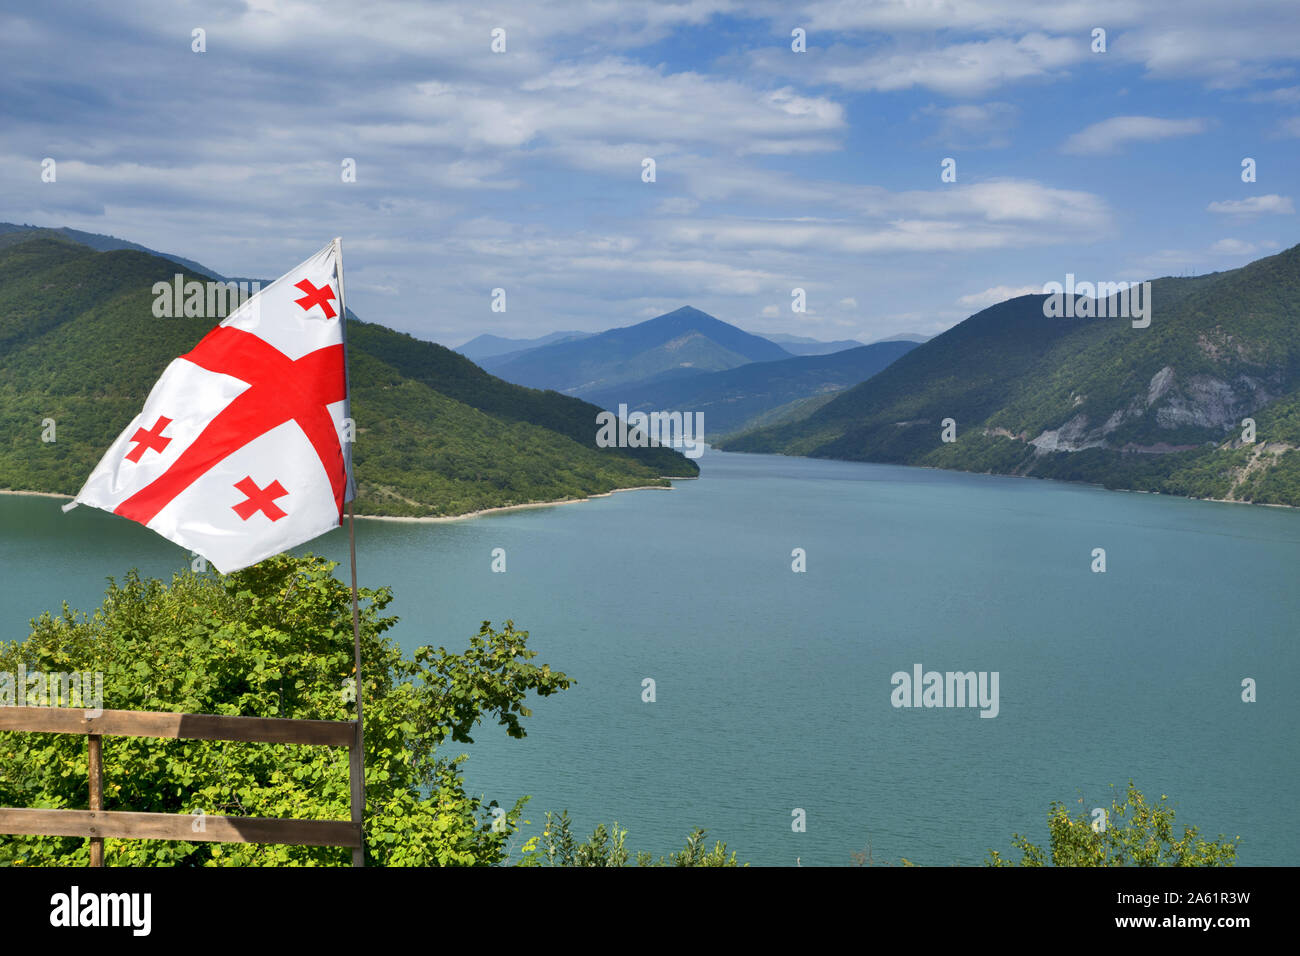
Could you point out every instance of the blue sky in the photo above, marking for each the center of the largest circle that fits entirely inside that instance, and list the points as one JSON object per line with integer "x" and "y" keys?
{"x": 775, "y": 169}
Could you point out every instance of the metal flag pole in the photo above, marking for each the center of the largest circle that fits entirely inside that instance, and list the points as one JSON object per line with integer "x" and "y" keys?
{"x": 357, "y": 764}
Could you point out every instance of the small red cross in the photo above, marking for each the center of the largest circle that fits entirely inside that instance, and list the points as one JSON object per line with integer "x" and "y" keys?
{"x": 281, "y": 390}
{"x": 260, "y": 499}
{"x": 315, "y": 296}
{"x": 149, "y": 440}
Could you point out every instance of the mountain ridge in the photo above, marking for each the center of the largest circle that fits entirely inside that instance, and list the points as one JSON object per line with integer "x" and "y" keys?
{"x": 683, "y": 338}
{"x": 486, "y": 345}
{"x": 1156, "y": 409}
{"x": 436, "y": 436}
{"x": 730, "y": 398}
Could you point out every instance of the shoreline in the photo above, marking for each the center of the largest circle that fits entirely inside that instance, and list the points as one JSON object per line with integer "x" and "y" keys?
{"x": 1005, "y": 474}
{"x": 606, "y": 494}
{"x": 1085, "y": 484}
{"x": 434, "y": 518}
{"x": 530, "y": 504}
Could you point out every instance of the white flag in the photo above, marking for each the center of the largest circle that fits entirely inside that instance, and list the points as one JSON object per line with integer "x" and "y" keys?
{"x": 239, "y": 452}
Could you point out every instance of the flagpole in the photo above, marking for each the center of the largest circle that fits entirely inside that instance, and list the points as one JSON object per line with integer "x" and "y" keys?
{"x": 357, "y": 770}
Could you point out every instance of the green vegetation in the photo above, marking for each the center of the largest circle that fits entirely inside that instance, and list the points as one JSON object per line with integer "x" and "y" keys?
{"x": 12, "y": 234}
{"x": 1159, "y": 408}
{"x": 1135, "y": 833}
{"x": 607, "y": 847}
{"x": 436, "y": 435}
{"x": 275, "y": 640}
{"x": 270, "y": 641}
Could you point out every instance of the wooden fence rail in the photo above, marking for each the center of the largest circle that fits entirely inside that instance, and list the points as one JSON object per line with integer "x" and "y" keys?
{"x": 98, "y": 824}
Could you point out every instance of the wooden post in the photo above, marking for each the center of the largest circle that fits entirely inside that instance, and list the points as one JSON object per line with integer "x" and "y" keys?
{"x": 357, "y": 775}
{"x": 93, "y": 744}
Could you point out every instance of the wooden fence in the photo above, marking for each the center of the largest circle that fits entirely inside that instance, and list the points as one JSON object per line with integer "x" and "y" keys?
{"x": 98, "y": 824}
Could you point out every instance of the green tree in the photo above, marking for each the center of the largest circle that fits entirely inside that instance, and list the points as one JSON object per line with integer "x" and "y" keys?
{"x": 607, "y": 847}
{"x": 1132, "y": 833}
{"x": 274, "y": 640}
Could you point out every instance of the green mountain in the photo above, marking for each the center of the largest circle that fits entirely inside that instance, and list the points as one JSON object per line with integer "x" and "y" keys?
{"x": 1093, "y": 399}
{"x": 12, "y": 233}
{"x": 436, "y": 435}
{"x": 733, "y": 397}
{"x": 684, "y": 340}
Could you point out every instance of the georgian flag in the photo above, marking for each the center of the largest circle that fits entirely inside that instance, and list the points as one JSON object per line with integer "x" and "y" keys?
{"x": 239, "y": 451}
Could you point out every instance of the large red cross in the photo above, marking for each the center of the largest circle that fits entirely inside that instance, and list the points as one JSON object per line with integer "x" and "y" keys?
{"x": 150, "y": 439}
{"x": 260, "y": 499}
{"x": 315, "y": 296}
{"x": 280, "y": 389}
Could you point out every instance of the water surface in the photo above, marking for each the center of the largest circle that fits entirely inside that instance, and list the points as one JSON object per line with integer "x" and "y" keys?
{"x": 773, "y": 687}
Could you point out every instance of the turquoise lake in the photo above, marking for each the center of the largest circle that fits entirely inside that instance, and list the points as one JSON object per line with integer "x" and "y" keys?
{"x": 773, "y": 688}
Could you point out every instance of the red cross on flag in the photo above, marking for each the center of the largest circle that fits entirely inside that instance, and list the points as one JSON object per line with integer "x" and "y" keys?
{"x": 238, "y": 453}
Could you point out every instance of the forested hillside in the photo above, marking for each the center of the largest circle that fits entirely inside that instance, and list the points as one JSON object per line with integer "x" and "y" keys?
{"x": 436, "y": 435}
{"x": 1159, "y": 408}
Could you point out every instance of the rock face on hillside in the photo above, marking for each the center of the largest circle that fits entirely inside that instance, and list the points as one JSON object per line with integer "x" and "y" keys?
{"x": 1208, "y": 402}
{"x": 1072, "y": 436}
{"x": 1202, "y": 401}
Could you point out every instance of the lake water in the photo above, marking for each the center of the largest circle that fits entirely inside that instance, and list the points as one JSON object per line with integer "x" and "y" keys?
{"x": 773, "y": 688}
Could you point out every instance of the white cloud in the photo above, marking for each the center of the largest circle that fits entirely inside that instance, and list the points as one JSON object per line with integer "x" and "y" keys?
{"x": 618, "y": 100}
{"x": 677, "y": 206}
{"x": 692, "y": 276}
{"x": 848, "y": 303}
{"x": 1112, "y": 134}
{"x": 899, "y": 235}
{"x": 1285, "y": 94}
{"x": 1010, "y": 201}
{"x": 1288, "y": 128}
{"x": 1240, "y": 247}
{"x": 928, "y": 15}
{"x": 974, "y": 125}
{"x": 1198, "y": 261}
{"x": 996, "y": 294}
{"x": 522, "y": 170}
{"x": 1224, "y": 45}
{"x": 1255, "y": 205}
{"x": 609, "y": 101}
{"x": 960, "y": 69}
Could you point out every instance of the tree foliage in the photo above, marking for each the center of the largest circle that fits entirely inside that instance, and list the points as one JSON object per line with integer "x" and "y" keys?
{"x": 1132, "y": 833}
{"x": 274, "y": 640}
{"x": 557, "y": 846}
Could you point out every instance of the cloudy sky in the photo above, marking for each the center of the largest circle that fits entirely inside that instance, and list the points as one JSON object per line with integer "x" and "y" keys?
{"x": 774, "y": 169}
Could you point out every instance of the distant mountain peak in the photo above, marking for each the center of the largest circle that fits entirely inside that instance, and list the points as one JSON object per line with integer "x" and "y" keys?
{"x": 686, "y": 317}
{"x": 687, "y": 311}
{"x": 685, "y": 337}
